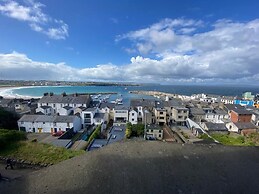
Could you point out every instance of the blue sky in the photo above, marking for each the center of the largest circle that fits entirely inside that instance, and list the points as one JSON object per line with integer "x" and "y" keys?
{"x": 141, "y": 41}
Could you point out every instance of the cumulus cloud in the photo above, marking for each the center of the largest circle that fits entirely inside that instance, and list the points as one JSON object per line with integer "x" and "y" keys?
{"x": 227, "y": 52}
{"x": 187, "y": 49}
{"x": 31, "y": 12}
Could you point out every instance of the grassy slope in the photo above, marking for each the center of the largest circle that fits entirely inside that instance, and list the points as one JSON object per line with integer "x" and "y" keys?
{"x": 14, "y": 145}
{"x": 38, "y": 152}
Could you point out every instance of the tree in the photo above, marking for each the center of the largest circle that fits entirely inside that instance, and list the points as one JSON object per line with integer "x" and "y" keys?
{"x": 128, "y": 133}
{"x": 8, "y": 120}
{"x": 138, "y": 129}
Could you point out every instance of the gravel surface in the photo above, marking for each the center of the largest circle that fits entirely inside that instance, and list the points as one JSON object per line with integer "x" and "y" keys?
{"x": 148, "y": 167}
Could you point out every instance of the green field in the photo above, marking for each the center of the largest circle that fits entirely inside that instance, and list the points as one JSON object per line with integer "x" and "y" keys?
{"x": 235, "y": 139}
{"x": 34, "y": 152}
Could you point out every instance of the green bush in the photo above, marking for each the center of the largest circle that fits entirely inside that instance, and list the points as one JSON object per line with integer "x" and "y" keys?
{"x": 128, "y": 133}
{"x": 10, "y": 136}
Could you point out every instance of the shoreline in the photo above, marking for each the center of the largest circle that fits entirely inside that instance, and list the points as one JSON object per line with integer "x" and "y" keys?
{"x": 6, "y": 92}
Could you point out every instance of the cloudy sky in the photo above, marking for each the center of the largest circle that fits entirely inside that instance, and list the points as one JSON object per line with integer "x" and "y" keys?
{"x": 168, "y": 42}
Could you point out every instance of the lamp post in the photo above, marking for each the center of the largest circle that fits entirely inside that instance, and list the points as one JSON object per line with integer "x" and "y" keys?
{"x": 145, "y": 129}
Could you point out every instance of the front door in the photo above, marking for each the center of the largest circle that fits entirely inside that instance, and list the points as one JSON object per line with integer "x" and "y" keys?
{"x": 39, "y": 130}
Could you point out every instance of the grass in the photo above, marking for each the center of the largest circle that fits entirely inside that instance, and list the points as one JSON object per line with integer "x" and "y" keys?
{"x": 38, "y": 152}
{"x": 234, "y": 140}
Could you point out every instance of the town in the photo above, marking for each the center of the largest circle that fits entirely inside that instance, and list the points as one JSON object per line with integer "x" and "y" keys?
{"x": 82, "y": 121}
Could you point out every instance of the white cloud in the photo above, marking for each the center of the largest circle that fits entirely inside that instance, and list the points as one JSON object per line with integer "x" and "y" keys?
{"x": 227, "y": 53}
{"x": 186, "y": 50}
{"x": 31, "y": 12}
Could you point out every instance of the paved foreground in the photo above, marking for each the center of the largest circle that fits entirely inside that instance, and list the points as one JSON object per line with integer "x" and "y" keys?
{"x": 148, "y": 167}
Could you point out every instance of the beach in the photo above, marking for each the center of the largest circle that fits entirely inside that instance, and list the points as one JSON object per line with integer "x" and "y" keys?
{"x": 7, "y": 92}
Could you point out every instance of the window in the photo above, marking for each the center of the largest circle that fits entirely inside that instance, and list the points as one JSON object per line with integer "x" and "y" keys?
{"x": 132, "y": 119}
{"x": 22, "y": 122}
{"x": 161, "y": 113}
{"x": 43, "y": 122}
{"x": 162, "y": 117}
{"x": 151, "y": 130}
{"x": 54, "y": 105}
{"x": 133, "y": 114}
{"x": 159, "y": 135}
{"x": 68, "y": 124}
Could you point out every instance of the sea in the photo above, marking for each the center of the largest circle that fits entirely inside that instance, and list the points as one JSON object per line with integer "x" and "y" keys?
{"x": 123, "y": 91}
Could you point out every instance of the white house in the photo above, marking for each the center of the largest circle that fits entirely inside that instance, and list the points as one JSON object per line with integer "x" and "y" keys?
{"x": 241, "y": 127}
{"x": 48, "y": 124}
{"x": 57, "y": 102}
{"x": 108, "y": 109}
{"x": 154, "y": 132}
{"x": 87, "y": 116}
{"x": 227, "y": 100}
{"x": 217, "y": 116}
{"x": 133, "y": 116}
{"x": 66, "y": 110}
{"x": 121, "y": 114}
{"x": 46, "y": 110}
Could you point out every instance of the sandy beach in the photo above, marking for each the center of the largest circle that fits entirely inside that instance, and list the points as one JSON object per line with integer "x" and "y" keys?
{"x": 7, "y": 92}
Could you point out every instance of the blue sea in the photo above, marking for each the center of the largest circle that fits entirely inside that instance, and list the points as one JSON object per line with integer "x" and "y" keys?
{"x": 123, "y": 91}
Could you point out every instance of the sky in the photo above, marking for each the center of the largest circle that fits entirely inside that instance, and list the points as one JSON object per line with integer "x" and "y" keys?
{"x": 142, "y": 41}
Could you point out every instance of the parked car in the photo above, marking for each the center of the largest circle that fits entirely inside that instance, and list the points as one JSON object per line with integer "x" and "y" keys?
{"x": 59, "y": 133}
{"x": 114, "y": 137}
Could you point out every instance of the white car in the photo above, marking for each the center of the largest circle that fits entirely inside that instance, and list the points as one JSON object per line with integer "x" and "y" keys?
{"x": 114, "y": 137}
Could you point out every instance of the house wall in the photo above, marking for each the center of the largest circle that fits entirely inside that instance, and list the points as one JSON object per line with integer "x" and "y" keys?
{"x": 232, "y": 128}
{"x": 133, "y": 117}
{"x": 47, "y": 111}
{"x": 87, "y": 121}
{"x": 160, "y": 115}
{"x": 248, "y": 131}
{"x": 239, "y": 118}
{"x": 216, "y": 118}
{"x": 121, "y": 114}
{"x": 179, "y": 115}
{"x": 28, "y": 126}
{"x": 156, "y": 133}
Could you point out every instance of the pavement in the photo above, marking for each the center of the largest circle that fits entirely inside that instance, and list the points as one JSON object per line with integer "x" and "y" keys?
{"x": 15, "y": 173}
{"x": 117, "y": 133}
{"x": 148, "y": 167}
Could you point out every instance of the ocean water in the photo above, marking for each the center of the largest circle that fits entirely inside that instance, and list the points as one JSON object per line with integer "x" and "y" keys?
{"x": 123, "y": 91}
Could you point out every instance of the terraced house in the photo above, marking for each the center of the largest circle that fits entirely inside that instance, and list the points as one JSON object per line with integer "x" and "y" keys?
{"x": 62, "y": 104}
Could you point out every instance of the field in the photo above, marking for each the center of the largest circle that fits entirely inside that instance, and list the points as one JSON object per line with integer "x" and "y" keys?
{"x": 33, "y": 151}
{"x": 235, "y": 139}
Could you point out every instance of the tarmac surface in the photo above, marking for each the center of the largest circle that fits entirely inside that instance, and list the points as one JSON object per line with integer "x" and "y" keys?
{"x": 136, "y": 166}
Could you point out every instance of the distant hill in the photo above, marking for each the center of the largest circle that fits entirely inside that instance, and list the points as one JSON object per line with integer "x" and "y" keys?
{"x": 149, "y": 167}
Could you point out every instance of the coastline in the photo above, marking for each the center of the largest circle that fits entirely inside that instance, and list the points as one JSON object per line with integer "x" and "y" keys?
{"x": 6, "y": 92}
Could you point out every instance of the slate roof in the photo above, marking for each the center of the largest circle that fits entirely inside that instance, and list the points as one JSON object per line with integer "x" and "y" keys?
{"x": 220, "y": 112}
{"x": 69, "y": 99}
{"x": 67, "y": 107}
{"x": 197, "y": 111}
{"x": 28, "y": 118}
{"x": 5, "y": 102}
{"x": 142, "y": 102}
{"x": 174, "y": 103}
{"x": 99, "y": 116}
{"x": 242, "y": 111}
{"x": 46, "y": 118}
{"x": 233, "y": 106}
{"x": 107, "y": 104}
{"x": 216, "y": 126}
{"x": 64, "y": 119}
{"x": 121, "y": 107}
{"x": 45, "y": 107}
{"x": 246, "y": 125}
